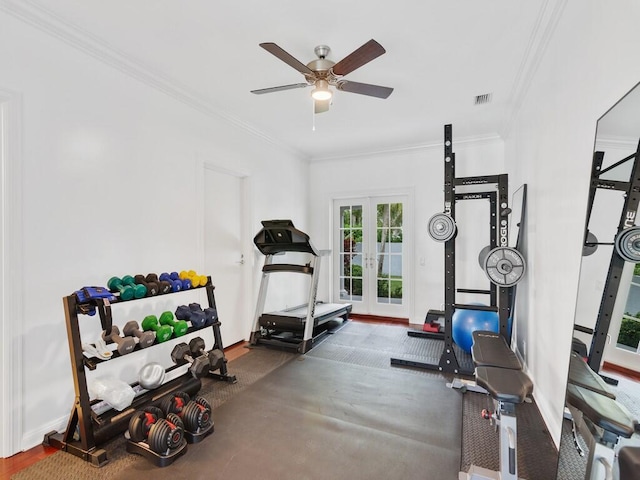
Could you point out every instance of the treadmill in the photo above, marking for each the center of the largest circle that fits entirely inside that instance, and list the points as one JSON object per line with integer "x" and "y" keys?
{"x": 299, "y": 327}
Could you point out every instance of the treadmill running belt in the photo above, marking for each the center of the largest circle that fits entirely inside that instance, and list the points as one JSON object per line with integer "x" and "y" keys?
{"x": 294, "y": 319}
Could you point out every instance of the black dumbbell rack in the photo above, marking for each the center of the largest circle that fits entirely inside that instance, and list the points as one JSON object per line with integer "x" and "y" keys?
{"x": 86, "y": 429}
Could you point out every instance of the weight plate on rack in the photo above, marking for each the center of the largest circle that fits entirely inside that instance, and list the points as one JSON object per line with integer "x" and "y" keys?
{"x": 442, "y": 227}
{"x": 482, "y": 256}
{"x": 590, "y": 246}
{"x": 504, "y": 266}
{"x": 627, "y": 244}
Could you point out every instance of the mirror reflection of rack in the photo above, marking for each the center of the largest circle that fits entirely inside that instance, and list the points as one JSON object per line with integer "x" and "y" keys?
{"x": 608, "y": 286}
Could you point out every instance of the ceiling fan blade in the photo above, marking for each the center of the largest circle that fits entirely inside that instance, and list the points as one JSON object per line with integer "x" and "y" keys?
{"x": 358, "y": 58}
{"x": 365, "y": 89}
{"x": 286, "y": 58}
{"x": 320, "y": 106}
{"x": 280, "y": 88}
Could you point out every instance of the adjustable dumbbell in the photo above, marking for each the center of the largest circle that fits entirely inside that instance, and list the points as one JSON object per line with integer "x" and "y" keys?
{"x": 161, "y": 434}
{"x": 187, "y": 313}
{"x": 163, "y": 332}
{"x": 139, "y": 291}
{"x": 176, "y": 284}
{"x": 142, "y": 421}
{"x": 125, "y": 344}
{"x": 199, "y": 365}
{"x": 163, "y": 285}
{"x": 195, "y": 413}
{"x": 215, "y": 356}
{"x": 145, "y": 339}
{"x": 152, "y": 287}
{"x": 179, "y": 328}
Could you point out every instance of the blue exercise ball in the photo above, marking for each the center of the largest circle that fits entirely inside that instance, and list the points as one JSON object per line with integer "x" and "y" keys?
{"x": 465, "y": 322}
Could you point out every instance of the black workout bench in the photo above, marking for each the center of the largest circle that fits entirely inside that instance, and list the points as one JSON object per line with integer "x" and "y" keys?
{"x": 499, "y": 372}
{"x": 606, "y": 420}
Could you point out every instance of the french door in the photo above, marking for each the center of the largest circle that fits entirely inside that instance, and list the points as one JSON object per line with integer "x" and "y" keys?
{"x": 371, "y": 255}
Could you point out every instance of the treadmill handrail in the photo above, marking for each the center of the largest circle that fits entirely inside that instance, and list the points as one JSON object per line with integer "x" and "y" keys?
{"x": 287, "y": 267}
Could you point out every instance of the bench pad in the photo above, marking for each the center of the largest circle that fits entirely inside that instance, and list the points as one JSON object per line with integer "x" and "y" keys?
{"x": 582, "y": 375}
{"x": 603, "y": 411}
{"x": 504, "y": 384}
{"x": 490, "y": 349}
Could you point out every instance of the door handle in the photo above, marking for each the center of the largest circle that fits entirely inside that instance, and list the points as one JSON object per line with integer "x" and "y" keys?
{"x": 241, "y": 262}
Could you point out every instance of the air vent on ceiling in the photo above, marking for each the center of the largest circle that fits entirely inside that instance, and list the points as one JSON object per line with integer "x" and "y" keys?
{"x": 482, "y": 99}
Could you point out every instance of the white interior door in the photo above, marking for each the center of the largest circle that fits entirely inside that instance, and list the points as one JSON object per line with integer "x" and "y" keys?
{"x": 224, "y": 250}
{"x": 371, "y": 254}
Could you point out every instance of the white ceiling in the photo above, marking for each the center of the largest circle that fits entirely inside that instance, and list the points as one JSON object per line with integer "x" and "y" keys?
{"x": 439, "y": 56}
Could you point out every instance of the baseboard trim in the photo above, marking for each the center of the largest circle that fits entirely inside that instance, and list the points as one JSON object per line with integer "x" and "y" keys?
{"x": 612, "y": 367}
{"x": 378, "y": 318}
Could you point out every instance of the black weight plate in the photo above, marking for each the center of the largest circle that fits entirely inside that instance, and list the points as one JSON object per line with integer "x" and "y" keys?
{"x": 590, "y": 246}
{"x": 442, "y": 227}
{"x": 482, "y": 256}
{"x": 627, "y": 244}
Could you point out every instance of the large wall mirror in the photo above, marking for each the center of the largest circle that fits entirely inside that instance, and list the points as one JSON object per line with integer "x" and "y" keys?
{"x": 607, "y": 322}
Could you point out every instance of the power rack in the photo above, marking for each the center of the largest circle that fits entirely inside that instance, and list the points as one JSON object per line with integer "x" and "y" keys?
{"x": 499, "y": 296}
{"x": 626, "y": 227}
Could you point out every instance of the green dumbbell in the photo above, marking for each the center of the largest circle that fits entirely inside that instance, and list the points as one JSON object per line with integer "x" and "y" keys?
{"x": 163, "y": 332}
{"x": 115, "y": 285}
{"x": 139, "y": 291}
{"x": 179, "y": 328}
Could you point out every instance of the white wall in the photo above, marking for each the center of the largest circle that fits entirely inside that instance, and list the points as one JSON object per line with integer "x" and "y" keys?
{"x": 110, "y": 170}
{"x": 589, "y": 63}
{"x": 420, "y": 172}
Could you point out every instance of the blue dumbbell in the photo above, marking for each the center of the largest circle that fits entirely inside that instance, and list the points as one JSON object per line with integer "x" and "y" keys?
{"x": 186, "y": 283}
{"x": 197, "y": 317}
{"x": 176, "y": 285}
{"x": 211, "y": 315}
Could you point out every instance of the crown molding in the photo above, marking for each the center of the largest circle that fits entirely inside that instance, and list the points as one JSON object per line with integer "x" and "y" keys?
{"x": 545, "y": 26}
{"x": 45, "y": 20}
{"x": 616, "y": 143}
{"x": 462, "y": 143}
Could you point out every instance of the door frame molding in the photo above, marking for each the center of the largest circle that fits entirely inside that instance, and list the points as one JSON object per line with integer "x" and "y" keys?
{"x": 11, "y": 267}
{"x": 409, "y": 193}
{"x": 246, "y": 186}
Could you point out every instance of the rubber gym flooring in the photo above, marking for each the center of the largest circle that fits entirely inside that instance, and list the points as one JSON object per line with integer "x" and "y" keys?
{"x": 338, "y": 412}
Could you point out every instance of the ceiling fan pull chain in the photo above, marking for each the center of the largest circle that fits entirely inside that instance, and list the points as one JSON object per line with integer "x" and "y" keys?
{"x": 313, "y": 115}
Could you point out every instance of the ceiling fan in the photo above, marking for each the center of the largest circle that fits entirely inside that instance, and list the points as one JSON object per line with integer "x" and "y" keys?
{"x": 322, "y": 73}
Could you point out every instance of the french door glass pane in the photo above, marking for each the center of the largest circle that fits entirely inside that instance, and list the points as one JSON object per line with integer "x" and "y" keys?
{"x": 389, "y": 248}
{"x": 350, "y": 253}
{"x": 629, "y": 336}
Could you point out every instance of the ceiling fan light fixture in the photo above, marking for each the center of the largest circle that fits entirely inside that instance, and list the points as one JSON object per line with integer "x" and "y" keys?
{"x": 321, "y": 92}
